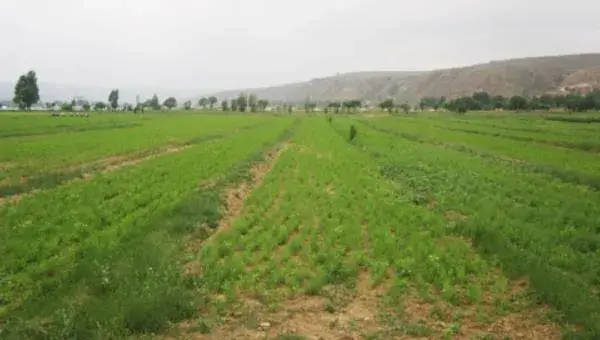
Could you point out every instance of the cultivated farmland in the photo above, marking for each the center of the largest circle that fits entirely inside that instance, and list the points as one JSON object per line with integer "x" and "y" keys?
{"x": 286, "y": 227}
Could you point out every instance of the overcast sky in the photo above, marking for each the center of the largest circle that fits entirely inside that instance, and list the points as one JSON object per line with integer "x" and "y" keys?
{"x": 220, "y": 44}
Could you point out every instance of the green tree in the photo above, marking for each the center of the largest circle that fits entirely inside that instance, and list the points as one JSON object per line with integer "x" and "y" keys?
{"x": 27, "y": 92}
{"x": 86, "y": 106}
{"x": 170, "y": 102}
{"x": 154, "y": 103}
{"x": 309, "y": 106}
{"x": 483, "y": 100}
{"x": 262, "y": 104}
{"x": 242, "y": 102}
{"x": 352, "y": 105}
{"x": 66, "y": 106}
{"x": 575, "y": 102}
{"x": 253, "y": 102}
{"x": 548, "y": 101}
{"x": 203, "y": 102}
{"x": 187, "y": 105}
{"x": 212, "y": 101}
{"x": 387, "y": 104}
{"x": 234, "y": 105}
{"x": 430, "y": 102}
{"x": 113, "y": 99}
{"x": 335, "y": 105}
{"x": 498, "y": 102}
{"x": 517, "y": 103}
{"x": 98, "y": 106}
{"x": 593, "y": 100}
{"x": 225, "y": 105}
{"x": 405, "y": 108}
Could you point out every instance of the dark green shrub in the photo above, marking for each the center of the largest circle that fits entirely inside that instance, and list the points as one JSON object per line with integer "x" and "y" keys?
{"x": 353, "y": 133}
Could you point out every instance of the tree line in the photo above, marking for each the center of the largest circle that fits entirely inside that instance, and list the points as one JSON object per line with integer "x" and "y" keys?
{"x": 574, "y": 102}
{"x": 27, "y": 93}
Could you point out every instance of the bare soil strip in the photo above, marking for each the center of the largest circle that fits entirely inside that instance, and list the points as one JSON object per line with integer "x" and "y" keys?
{"x": 524, "y": 324}
{"x": 335, "y": 315}
{"x": 235, "y": 196}
{"x": 343, "y": 314}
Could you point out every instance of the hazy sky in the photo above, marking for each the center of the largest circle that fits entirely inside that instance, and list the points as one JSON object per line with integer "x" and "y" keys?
{"x": 218, "y": 44}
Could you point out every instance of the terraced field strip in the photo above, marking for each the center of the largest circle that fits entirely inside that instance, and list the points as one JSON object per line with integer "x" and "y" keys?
{"x": 94, "y": 256}
{"x": 570, "y": 165}
{"x": 35, "y": 179}
{"x": 30, "y": 125}
{"x": 326, "y": 248}
{"x": 535, "y": 226}
{"x": 538, "y": 127}
{"x": 42, "y": 154}
{"x": 575, "y": 141}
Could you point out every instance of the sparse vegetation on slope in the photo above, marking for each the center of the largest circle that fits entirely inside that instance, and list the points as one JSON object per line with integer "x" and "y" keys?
{"x": 527, "y": 76}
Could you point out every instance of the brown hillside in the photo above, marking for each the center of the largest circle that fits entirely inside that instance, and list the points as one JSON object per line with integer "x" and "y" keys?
{"x": 527, "y": 76}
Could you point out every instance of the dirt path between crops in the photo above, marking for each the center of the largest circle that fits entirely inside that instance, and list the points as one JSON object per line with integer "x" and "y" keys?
{"x": 235, "y": 196}
{"x": 342, "y": 314}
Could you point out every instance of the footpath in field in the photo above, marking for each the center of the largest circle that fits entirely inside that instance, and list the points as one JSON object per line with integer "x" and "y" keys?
{"x": 324, "y": 247}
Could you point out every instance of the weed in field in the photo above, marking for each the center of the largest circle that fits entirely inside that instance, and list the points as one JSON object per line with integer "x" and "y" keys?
{"x": 352, "y": 133}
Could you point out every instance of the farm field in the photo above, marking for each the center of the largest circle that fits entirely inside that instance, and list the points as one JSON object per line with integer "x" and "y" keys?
{"x": 285, "y": 227}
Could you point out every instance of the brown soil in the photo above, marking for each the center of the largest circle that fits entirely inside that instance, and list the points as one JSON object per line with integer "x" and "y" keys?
{"x": 5, "y": 182}
{"x": 112, "y": 163}
{"x": 314, "y": 318}
{"x": 234, "y": 203}
{"x": 454, "y": 216}
{"x": 524, "y": 324}
{"x": 330, "y": 190}
{"x": 6, "y": 165}
{"x": 14, "y": 199}
{"x": 134, "y": 161}
{"x": 235, "y": 196}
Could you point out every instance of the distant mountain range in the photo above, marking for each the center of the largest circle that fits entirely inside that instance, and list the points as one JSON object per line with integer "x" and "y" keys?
{"x": 526, "y": 76}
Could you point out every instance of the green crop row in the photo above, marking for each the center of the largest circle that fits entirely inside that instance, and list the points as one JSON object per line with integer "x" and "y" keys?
{"x": 81, "y": 244}
{"x": 570, "y": 165}
{"x": 534, "y": 225}
{"x": 535, "y": 126}
{"x": 573, "y": 141}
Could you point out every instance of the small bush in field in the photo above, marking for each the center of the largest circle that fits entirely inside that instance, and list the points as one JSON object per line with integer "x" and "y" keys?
{"x": 353, "y": 133}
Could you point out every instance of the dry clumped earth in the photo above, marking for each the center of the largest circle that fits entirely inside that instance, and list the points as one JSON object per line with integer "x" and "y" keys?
{"x": 340, "y": 314}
